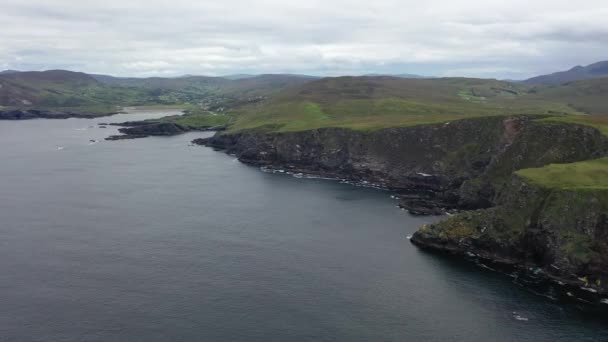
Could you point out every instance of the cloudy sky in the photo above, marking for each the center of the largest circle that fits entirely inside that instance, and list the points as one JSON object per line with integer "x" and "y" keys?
{"x": 501, "y": 39}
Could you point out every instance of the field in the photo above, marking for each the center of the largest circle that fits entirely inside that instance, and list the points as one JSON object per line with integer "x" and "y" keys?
{"x": 368, "y": 103}
{"x": 591, "y": 175}
{"x": 197, "y": 120}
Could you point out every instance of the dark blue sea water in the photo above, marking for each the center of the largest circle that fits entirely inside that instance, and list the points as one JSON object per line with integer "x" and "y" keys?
{"x": 156, "y": 240}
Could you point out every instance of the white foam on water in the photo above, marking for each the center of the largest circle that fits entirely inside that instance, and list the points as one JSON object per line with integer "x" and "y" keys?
{"x": 589, "y": 289}
{"x": 520, "y": 317}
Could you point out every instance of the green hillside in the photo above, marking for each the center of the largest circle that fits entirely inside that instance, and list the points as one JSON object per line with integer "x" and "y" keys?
{"x": 379, "y": 102}
{"x": 60, "y": 89}
{"x": 590, "y": 96}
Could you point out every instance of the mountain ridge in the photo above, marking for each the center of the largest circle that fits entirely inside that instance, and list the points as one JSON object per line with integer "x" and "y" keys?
{"x": 577, "y": 73}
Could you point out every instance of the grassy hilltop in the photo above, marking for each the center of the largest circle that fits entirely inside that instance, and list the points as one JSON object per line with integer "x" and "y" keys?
{"x": 371, "y": 103}
{"x": 378, "y": 102}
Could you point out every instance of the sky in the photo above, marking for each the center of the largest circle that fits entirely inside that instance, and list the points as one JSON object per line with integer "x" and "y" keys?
{"x": 506, "y": 39}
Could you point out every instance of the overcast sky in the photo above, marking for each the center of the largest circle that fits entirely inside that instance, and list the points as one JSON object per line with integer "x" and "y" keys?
{"x": 501, "y": 39}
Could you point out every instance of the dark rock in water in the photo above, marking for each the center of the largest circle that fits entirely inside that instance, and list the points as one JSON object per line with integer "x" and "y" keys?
{"x": 201, "y": 141}
{"x": 18, "y": 115}
{"x": 125, "y": 137}
{"x": 159, "y": 128}
{"x": 27, "y": 114}
{"x": 162, "y": 128}
{"x": 136, "y": 131}
{"x": 103, "y": 126}
{"x": 421, "y": 207}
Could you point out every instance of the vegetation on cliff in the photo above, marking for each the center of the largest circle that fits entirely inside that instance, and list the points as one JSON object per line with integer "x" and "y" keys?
{"x": 196, "y": 119}
{"x": 586, "y": 175}
{"x": 552, "y": 219}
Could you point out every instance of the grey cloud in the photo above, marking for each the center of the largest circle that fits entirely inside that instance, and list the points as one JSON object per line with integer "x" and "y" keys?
{"x": 144, "y": 38}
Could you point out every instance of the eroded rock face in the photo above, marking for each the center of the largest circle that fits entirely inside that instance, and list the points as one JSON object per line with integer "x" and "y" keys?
{"x": 455, "y": 165}
{"x": 559, "y": 236}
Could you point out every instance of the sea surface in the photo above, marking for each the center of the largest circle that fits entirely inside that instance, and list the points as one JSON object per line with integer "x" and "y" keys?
{"x": 158, "y": 240}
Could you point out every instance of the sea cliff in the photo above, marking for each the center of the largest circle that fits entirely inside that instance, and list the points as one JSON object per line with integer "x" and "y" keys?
{"x": 469, "y": 165}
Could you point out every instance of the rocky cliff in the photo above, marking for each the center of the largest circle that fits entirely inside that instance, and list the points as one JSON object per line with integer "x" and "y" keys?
{"x": 467, "y": 164}
{"x": 556, "y": 237}
{"x": 459, "y": 164}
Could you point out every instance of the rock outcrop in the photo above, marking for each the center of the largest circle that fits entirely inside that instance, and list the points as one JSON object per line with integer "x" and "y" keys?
{"x": 556, "y": 236}
{"x": 27, "y": 114}
{"x": 549, "y": 235}
{"x": 142, "y": 129}
{"x": 455, "y": 165}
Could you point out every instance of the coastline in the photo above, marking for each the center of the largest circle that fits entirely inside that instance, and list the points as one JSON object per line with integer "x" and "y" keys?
{"x": 29, "y": 114}
{"x": 483, "y": 184}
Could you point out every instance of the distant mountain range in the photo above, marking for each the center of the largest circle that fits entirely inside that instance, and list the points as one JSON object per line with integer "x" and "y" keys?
{"x": 398, "y": 75}
{"x": 578, "y": 73}
{"x": 62, "y": 89}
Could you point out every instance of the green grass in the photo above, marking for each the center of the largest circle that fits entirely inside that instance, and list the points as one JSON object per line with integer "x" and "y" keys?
{"x": 468, "y": 95}
{"x": 372, "y": 114}
{"x": 590, "y": 174}
{"x": 369, "y": 103}
{"x": 588, "y": 97}
{"x": 197, "y": 120}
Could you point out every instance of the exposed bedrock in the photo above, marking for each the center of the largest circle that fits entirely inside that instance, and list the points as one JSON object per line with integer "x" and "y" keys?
{"x": 456, "y": 165}
{"x": 557, "y": 236}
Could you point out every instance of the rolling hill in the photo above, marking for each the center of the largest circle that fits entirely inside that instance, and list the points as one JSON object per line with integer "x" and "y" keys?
{"x": 379, "y": 102}
{"x": 294, "y": 102}
{"x": 578, "y": 73}
{"x": 67, "y": 89}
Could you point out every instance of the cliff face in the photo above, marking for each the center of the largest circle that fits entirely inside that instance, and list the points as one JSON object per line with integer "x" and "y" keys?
{"x": 559, "y": 235}
{"x": 455, "y": 165}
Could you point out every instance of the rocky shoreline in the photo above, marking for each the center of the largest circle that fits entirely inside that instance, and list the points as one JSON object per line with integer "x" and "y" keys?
{"x": 28, "y": 114}
{"x": 143, "y": 129}
{"x": 467, "y": 166}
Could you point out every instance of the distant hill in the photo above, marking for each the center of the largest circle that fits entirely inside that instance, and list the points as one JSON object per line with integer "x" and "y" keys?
{"x": 61, "y": 88}
{"x": 578, "y": 73}
{"x": 50, "y": 76}
{"x": 286, "y": 100}
{"x": 45, "y": 88}
{"x": 398, "y": 75}
{"x": 587, "y": 96}
{"x": 371, "y": 102}
{"x": 4, "y": 72}
{"x": 245, "y": 76}
{"x": 237, "y": 76}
